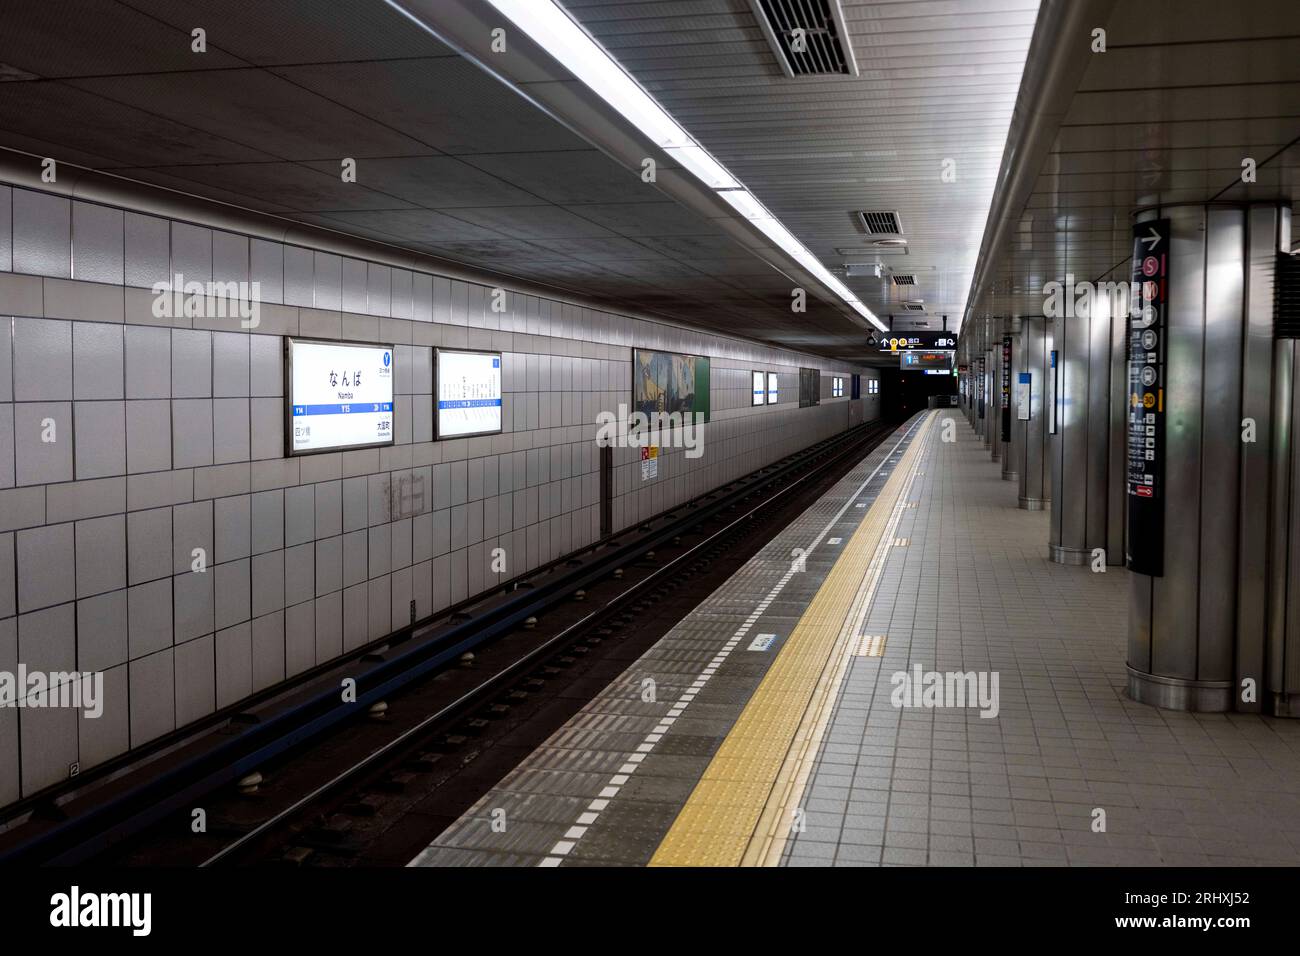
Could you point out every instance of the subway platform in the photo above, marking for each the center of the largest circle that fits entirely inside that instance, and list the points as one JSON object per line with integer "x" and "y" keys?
{"x": 779, "y": 724}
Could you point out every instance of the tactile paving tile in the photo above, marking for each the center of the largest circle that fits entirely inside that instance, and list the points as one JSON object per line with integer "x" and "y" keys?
{"x": 738, "y": 785}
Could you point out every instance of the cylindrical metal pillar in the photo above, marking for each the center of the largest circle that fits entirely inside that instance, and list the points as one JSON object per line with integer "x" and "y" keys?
{"x": 1195, "y": 635}
{"x": 1082, "y": 470}
{"x": 994, "y": 436}
{"x": 1033, "y": 461}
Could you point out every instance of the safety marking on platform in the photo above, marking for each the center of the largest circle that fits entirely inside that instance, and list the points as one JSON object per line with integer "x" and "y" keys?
{"x": 564, "y": 847}
{"x": 900, "y": 542}
{"x": 834, "y": 540}
{"x": 871, "y": 645}
{"x": 738, "y": 812}
{"x": 762, "y": 642}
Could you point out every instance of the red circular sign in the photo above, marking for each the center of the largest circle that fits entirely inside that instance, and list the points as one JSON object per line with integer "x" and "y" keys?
{"x": 1150, "y": 266}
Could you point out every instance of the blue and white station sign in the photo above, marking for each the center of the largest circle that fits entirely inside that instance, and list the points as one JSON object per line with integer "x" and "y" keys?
{"x": 340, "y": 395}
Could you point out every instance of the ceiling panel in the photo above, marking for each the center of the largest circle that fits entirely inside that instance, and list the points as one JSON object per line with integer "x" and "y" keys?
{"x": 817, "y": 150}
{"x": 454, "y": 163}
{"x": 1186, "y": 90}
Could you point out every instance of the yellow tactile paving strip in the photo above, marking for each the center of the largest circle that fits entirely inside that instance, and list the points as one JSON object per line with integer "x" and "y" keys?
{"x": 733, "y": 815}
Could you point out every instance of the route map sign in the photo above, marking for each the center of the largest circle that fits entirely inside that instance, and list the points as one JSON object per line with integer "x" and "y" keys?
{"x": 1146, "y": 346}
{"x": 469, "y": 393}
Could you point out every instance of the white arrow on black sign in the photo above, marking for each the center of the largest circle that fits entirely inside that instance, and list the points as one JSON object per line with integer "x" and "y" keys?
{"x": 1153, "y": 239}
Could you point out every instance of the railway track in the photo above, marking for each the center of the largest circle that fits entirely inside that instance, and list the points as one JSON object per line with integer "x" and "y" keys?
{"x": 436, "y": 718}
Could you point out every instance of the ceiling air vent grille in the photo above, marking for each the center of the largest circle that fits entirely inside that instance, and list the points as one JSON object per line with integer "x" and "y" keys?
{"x": 913, "y": 307}
{"x": 882, "y": 223}
{"x": 903, "y": 279}
{"x": 808, "y": 36}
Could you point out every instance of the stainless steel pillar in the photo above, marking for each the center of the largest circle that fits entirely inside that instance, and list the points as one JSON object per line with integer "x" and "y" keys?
{"x": 1209, "y": 628}
{"x": 1033, "y": 462}
{"x": 986, "y": 429}
{"x": 1089, "y": 435}
{"x": 993, "y": 437}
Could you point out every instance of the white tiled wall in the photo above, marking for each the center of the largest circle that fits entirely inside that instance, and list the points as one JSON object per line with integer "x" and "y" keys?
{"x": 169, "y": 437}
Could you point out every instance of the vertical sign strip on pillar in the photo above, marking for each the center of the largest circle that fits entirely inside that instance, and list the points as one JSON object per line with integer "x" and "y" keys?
{"x": 1006, "y": 388}
{"x": 1050, "y": 400}
{"x": 1146, "y": 398}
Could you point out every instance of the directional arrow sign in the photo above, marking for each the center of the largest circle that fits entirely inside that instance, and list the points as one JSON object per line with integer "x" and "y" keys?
{"x": 1152, "y": 239}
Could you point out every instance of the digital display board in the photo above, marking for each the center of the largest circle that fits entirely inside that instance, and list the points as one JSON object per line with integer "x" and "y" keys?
{"x": 760, "y": 392}
{"x": 340, "y": 395}
{"x": 771, "y": 388}
{"x": 468, "y": 386}
{"x": 912, "y": 361}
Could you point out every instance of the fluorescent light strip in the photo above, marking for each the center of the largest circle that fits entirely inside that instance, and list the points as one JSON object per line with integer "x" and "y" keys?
{"x": 697, "y": 160}
{"x": 551, "y": 27}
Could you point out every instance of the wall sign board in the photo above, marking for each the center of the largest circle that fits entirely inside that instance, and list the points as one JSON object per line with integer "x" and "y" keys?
{"x": 1145, "y": 477}
{"x": 1024, "y": 391}
{"x": 760, "y": 390}
{"x": 1004, "y": 396}
{"x": 340, "y": 395}
{"x": 771, "y": 388}
{"x": 918, "y": 340}
{"x": 649, "y": 462}
{"x": 468, "y": 386}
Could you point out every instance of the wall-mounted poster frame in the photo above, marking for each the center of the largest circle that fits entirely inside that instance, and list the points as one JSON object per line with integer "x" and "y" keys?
{"x": 668, "y": 382}
{"x": 1024, "y": 394}
{"x": 772, "y": 389}
{"x": 307, "y": 408}
{"x": 487, "y": 394}
{"x": 759, "y": 396}
{"x": 856, "y": 381}
{"x": 810, "y": 387}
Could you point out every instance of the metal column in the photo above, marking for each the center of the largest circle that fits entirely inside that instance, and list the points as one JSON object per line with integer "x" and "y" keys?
{"x": 1082, "y": 471}
{"x": 1207, "y": 628}
{"x": 1034, "y": 464}
{"x": 993, "y": 437}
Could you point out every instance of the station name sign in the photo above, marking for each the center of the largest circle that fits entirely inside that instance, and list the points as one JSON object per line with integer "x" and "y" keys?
{"x": 340, "y": 395}
{"x": 1146, "y": 345}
